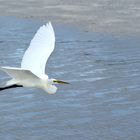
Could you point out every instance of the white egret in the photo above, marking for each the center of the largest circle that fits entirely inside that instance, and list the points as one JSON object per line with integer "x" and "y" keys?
{"x": 32, "y": 71}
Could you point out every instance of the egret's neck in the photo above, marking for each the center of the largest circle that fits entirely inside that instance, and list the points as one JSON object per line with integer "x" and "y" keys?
{"x": 49, "y": 86}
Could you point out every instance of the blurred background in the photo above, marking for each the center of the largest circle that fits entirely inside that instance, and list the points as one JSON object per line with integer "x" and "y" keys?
{"x": 96, "y": 15}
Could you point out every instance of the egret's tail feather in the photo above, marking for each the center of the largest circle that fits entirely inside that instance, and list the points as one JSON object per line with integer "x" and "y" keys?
{"x": 11, "y": 82}
{"x": 10, "y": 86}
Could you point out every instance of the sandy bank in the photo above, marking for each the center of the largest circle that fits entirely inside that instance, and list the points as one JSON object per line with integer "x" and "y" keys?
{"x": 94, "y": 15}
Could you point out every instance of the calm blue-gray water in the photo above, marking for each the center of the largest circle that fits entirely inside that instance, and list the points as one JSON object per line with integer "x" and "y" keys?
{"x": 101, "y": 103}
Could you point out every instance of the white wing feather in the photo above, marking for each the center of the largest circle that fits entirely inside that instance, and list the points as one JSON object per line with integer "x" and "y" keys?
{"x": 18, "y": 73}
{"x": 21, "y": 77}
{"x": 41, "y": 47}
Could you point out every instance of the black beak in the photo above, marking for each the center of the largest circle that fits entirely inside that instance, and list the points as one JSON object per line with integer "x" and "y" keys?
{"x": 60, "y": 82}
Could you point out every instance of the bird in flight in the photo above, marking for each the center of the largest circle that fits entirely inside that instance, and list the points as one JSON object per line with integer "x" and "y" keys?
{"x": 32, "y": 71}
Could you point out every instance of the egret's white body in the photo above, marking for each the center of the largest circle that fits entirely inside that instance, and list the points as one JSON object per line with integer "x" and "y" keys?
{"x": 32, "y": 71}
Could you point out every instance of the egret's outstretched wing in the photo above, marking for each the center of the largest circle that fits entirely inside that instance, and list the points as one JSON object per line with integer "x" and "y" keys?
{"x": 41, "y": 47}
{"x": 18, "y": 73}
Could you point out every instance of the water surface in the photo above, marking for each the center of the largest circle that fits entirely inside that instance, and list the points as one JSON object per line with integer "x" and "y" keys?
{"x": 102, "y": 101}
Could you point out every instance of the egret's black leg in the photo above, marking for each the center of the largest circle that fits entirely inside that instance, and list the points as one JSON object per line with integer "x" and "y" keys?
{"x": 11, "y": 86}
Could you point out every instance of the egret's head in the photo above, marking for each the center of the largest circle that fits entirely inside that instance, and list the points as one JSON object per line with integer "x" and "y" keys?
{"x": 54, "y": 81}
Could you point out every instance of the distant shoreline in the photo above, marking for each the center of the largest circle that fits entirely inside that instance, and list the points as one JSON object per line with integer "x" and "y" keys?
{"x": 97, "y": 16}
